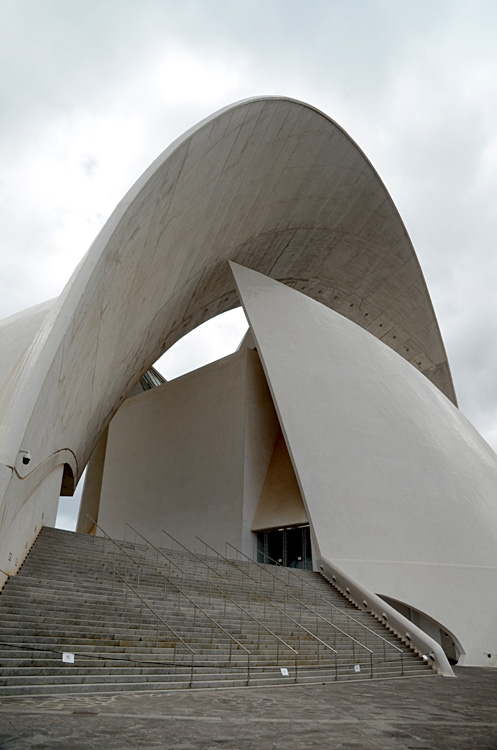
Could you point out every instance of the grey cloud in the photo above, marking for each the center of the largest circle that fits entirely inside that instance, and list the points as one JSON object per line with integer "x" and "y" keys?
{"x": 413, "y": 83}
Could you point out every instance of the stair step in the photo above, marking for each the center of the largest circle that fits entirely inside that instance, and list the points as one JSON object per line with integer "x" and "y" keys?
{"x": 63, "y": 600}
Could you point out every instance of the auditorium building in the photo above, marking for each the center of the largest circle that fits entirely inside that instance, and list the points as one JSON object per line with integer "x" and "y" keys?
{"x": 331, "y": 439}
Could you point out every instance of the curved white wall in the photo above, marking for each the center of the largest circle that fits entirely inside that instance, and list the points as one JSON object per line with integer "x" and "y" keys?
{"x": 271, "y": 183}
{"x": 399, "y": 487}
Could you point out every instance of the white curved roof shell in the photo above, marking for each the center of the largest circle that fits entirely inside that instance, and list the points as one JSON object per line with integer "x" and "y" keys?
{"x": 278, "y": 187}
{"x": 270, "y": 183}
{"x": 399, "y": 487}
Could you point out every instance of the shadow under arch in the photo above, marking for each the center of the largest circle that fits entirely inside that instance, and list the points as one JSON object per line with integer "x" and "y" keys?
{"x": 68, "y": 485}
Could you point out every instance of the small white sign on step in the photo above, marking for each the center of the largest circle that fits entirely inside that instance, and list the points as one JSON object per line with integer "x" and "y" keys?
{"x": 284, "y": 671}
{"x": 67, "y": 658}
{"x": 357, "y": 667}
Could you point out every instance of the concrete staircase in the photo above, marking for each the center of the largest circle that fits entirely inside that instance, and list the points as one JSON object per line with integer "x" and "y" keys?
{"x": 136, "y": 619}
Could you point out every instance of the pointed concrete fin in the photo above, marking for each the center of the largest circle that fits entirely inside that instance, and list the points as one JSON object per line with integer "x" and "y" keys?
{"x": 382, "y": 458}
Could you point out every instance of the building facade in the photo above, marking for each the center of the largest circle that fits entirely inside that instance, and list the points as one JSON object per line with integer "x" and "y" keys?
{"x": 331, "y": 438}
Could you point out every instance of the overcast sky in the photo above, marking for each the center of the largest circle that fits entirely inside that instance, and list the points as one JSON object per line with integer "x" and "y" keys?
{"x": 92, "y": 92}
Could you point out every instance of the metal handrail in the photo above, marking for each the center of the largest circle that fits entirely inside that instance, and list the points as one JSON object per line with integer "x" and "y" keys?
{"x": 149, "y": 544}
{"x": 227, "y": 596}
{"x": 177, "y": 635}
{"x": 282, "y": 612}
{"x": 316, "y": 594}
{"x": 143, "y": 602}
{"x": 192, "y": 601}
{"x": 121, "y": 549}
{"x": 303, "y": 604}
{"x": 197, "y": 558}
{"x": 181, "y": 592}
{"x": 252, "y": 617}
{"x": 231, "y": 637}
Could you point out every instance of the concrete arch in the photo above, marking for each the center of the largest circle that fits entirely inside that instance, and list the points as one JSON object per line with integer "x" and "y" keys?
{"x": 270, "y": 183}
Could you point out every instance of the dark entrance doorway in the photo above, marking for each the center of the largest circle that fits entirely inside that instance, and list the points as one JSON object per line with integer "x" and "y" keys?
{"x": 289, "y": 546}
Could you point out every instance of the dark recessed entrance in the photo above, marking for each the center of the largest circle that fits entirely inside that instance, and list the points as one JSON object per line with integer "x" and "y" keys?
{"x": 290, "y": 547}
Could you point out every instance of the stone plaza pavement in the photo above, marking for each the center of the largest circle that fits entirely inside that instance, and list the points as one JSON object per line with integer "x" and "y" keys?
{"x": 412, "y": 713}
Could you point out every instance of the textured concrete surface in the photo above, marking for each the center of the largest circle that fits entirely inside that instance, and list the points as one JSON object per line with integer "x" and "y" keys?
{"x": 195, "y": 451}
{"x": 269, "y": 183}
{"x": 382, "y": 460}
{"x": 415, "y": 714}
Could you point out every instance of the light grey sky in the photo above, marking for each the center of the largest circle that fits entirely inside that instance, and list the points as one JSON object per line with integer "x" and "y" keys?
{"x": 92, "y": 92}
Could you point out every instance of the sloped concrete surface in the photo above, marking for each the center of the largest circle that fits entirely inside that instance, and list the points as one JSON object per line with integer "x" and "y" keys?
{"x": 394, "y": 715}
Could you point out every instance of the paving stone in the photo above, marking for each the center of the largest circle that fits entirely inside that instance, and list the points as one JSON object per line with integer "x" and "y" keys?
{"x": 458, "y": 714}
